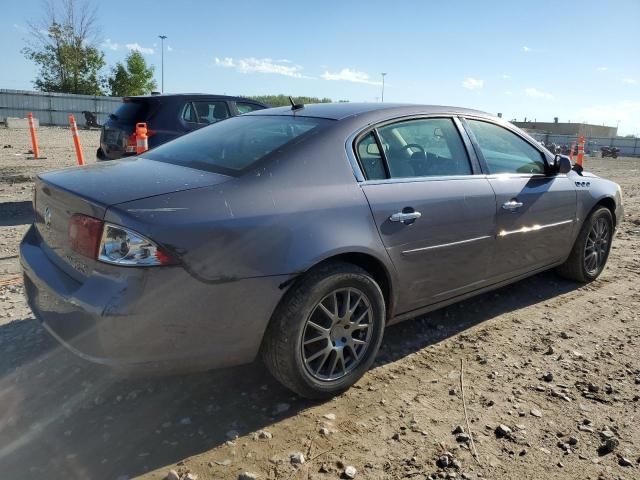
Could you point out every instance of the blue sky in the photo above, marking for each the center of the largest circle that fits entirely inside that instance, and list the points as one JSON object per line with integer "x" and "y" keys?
{"x": 578, "y": 60}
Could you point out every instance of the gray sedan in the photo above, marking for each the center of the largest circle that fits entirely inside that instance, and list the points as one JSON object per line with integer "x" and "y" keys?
{"x": 299, "y": 234}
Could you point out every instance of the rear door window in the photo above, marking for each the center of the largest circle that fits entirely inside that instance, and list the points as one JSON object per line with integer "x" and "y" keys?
{"x": 426, "y": 147}
{"x": 205, "y": 113}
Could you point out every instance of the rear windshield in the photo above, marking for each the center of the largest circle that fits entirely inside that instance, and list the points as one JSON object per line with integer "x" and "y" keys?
{"x": 235, "y": 145}
{"x": 131, "y": 112}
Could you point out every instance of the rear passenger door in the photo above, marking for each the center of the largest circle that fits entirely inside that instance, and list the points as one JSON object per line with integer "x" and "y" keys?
{"x": 536, "y": 210}
{"x": 199, "y": 114}
{"x": 434, "y": 213}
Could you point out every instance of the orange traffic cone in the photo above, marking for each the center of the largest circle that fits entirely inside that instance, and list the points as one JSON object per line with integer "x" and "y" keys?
{"x": 76, "y": 139}
{"x": 34, "y": 137}
{"x": 142, "y": 139}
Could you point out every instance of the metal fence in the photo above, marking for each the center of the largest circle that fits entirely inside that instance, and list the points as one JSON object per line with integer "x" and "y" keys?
{"x": 54, "y": 108}
{"x": 628, "y": 146}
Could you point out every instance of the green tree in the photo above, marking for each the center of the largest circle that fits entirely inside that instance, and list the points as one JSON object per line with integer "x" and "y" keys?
{"x": 283, "y": 100}
{"x": 134, "y": 78}
{"x": 63, "y": 47}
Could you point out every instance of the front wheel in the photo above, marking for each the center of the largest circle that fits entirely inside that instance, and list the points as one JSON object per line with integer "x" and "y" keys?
{"x": 326, "y": 332}
{"x": 591, "y": 249}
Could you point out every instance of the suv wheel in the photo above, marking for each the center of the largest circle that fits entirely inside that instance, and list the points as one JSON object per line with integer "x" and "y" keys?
{"x": 326, "y": 332}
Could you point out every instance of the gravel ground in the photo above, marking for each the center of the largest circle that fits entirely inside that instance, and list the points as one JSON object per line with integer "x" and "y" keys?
{"x": 551, "y": 382}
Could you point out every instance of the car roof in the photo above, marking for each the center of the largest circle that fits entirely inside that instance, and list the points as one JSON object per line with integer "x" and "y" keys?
{"x": 342, "y": 110}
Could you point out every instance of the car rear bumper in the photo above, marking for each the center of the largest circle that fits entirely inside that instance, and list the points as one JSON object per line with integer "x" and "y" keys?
{"x": 149, "y": 318}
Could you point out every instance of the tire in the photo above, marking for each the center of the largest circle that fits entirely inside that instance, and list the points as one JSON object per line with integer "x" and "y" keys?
{"x": 100, "y": 156}
{"x": 293, "y": 337}
{"x": 579, "y": 266}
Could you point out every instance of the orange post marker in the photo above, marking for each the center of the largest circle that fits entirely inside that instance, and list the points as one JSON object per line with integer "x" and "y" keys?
{"x": 34, "y": 137}
{"x": 76, "y": 139}
{"x": 580, "y": 158}
{"x": 142, "y": 139}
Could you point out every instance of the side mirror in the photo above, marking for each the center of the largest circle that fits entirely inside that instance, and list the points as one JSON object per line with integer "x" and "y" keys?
{"x": 562, "y": 164}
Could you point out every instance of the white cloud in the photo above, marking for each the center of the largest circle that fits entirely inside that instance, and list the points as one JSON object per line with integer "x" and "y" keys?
{"x": 471, "y": 83}
{"x": 139, "y": 48}
{"x": 169, "y": 48}
{"x": 108, "y": 44}
{"x": 602, "y": 69}
{"x": 348, "y": 75}
{"x": 526, "y": 49}
{"x": 629, "y": 81}
{"x": 261, "y": 65}
{"x": 534, "y": 92}
{"x": 225, "y": 62}
{"x": 506, "y": 77}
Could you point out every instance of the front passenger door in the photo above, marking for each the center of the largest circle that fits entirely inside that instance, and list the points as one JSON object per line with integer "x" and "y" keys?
{"x": 436, "y": 218}
{"x": 536, "y": 211}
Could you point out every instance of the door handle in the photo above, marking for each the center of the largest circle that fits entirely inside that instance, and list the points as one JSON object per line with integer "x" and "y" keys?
{"x": 512, "y": 205}
{"x": 404, "y": 217}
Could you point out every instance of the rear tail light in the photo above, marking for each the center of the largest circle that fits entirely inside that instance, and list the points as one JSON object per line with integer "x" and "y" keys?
{"x": 84, "y": 235}
{"x": 121, "y": 246}
{"x": 113, "y": 244}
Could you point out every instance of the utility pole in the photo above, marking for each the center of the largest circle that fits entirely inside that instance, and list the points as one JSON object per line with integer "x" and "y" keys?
{"x": 383, "y": 75}
{"x": 162, "y": 37}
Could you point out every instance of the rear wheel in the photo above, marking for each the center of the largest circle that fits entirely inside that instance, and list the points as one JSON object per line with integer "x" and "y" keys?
{"x": 591, "y": 249}
{"x": 326, "y": 332}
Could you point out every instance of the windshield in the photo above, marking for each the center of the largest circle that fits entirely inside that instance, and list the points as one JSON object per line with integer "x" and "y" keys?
{"x": 233, "y": 146}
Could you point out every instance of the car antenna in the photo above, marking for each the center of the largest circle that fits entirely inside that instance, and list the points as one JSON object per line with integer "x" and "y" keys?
{"x": 295, "y": 106}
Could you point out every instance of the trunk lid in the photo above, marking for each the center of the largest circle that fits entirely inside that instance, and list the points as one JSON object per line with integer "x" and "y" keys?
{"x": 93, "y": 189}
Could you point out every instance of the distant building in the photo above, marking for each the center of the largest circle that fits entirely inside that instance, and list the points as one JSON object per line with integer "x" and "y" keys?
{"x": 558, "y": 128}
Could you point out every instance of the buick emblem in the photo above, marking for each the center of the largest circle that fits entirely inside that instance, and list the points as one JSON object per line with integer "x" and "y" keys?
{"x": 47, "y": 217}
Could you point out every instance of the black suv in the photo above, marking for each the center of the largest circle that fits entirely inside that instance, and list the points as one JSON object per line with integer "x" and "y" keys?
{"x": 167, "y": 117}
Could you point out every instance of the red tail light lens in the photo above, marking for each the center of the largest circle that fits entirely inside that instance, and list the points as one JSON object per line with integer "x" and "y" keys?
{"x": 84, "y": 234}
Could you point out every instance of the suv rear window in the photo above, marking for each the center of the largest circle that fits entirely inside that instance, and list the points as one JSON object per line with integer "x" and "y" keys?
{"x": 235, "y": 145}
{"x": 131, "y": 112}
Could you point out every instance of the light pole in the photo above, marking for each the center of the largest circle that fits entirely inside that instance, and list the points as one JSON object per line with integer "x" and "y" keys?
{"x": 162, "y": 37}
{"x": 382, "y": 96}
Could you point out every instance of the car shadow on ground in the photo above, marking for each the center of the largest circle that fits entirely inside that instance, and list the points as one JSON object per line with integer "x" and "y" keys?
{"x": 16, "y": 213}
{"x": 64, "y": 418}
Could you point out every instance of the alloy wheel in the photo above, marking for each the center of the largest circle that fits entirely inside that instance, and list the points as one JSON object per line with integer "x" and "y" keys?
{"x": 597, "y": 246}
{"x": 337, "y": 334}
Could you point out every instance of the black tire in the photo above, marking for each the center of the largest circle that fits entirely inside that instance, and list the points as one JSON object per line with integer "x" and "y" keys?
{"x": 575, "y": 268}
{"x": 282, "y": 349}
{"x": 100, "y": 156}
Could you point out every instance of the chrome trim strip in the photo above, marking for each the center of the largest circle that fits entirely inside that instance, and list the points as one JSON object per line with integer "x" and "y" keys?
{"x": 534, "y": 228}
{"x": 442, "y": 245}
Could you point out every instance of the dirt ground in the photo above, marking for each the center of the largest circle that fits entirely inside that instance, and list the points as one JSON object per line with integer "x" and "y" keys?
{"x": 555, "y": 363}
